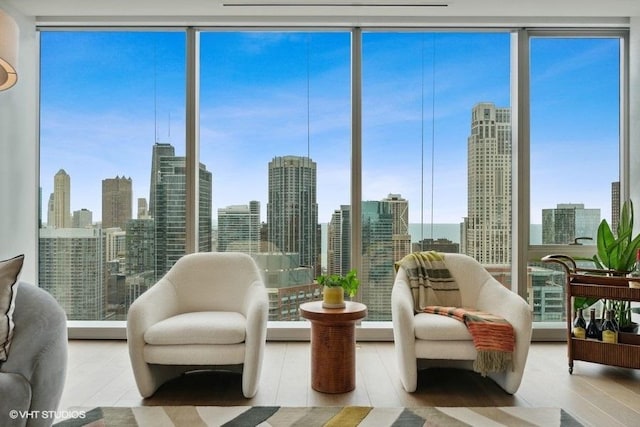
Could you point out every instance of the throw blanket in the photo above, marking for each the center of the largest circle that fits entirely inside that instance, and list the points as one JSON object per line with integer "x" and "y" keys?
{"x": 430, "y": 281}
{"x": 493, "y": 337}
{"x": 434, "y": 290}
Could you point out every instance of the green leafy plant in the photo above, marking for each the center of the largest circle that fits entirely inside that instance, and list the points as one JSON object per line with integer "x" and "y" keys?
{"x": 349, "y": 282}
{"x": 617, "y": 252}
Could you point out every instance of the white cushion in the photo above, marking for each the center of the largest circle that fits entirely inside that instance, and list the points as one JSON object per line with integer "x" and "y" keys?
{"x": 192, "y": 354}
{"x": 446, "y": 350}
{"x": 201, "y": 327}
{"x": 436, "y": 327}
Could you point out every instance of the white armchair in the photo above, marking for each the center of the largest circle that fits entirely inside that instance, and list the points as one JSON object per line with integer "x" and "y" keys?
{"x": 210, "y": 309}
{"x": 439, "y": 340}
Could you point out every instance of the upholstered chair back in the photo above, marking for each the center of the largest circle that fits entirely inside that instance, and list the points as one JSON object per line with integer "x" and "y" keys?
{"x": 470, "y": 276}
{"x": 213, "y": 281}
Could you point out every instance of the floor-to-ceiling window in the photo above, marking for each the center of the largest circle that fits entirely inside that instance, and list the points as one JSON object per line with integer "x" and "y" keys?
{"x": 575, "y": 145}
{"x": 112, "y": 166}
{"x": 436, "y": 152}
{"x": 275, "y": 132}
{"x": 274, "y": 165}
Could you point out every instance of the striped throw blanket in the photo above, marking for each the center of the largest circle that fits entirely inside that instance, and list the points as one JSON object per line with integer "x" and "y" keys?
{"x": 493, "y": 337}
{"x": 430, "y": 281}
{"x": 435, "y": 291}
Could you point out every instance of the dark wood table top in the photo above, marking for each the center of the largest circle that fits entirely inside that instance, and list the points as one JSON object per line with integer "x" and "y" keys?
{"x": 315, "y": 311}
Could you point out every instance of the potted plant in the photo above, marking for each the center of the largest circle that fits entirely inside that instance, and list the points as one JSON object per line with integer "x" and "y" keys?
{"x": 617, "y": 255}
{"x": 335, "y": 286}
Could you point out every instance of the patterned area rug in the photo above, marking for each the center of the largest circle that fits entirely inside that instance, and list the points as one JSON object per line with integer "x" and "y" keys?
{"x": 277, "y": 416}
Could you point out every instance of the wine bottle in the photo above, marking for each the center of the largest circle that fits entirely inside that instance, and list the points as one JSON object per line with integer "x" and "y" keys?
{"x": 614, "y": 321}
{"x": 609, "y": 333}
{"x": 593, "y": 332}
{"x": 579, "y": 325}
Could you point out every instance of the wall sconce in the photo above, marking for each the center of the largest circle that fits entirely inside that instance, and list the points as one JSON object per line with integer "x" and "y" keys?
{"x": 8, "y": 51}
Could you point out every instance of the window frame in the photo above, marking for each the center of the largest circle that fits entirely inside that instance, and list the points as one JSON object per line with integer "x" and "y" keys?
{"x": 525, "y": 250}
{"x": 522, "y": 249}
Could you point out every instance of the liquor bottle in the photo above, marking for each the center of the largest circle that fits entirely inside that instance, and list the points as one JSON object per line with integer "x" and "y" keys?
{"x": 579, "y": 325}
{"x": 593, "y": 332}
{"x": 609, "y": 333}
{"x": 614, "y": 321}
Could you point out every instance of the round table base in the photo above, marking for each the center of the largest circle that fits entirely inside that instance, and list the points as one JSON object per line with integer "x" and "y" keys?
{"x": 333, "y": 357}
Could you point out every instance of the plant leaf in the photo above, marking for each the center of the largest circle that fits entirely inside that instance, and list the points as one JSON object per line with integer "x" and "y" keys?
{"x": 605, "y": 244}
{"x": 583, "y": 302}
{"x": 626, "y": 218}
{"x": 628, "y": 256}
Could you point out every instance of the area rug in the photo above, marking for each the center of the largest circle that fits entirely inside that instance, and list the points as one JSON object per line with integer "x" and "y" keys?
{"x": 348, "y": 416}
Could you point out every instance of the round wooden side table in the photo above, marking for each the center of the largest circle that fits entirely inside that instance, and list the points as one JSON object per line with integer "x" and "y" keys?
{"x": 333, "y": 345}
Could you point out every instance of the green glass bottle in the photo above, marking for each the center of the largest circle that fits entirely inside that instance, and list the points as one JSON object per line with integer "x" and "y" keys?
{"x": 579, "y": 325}
{"x": 593, "y": 331}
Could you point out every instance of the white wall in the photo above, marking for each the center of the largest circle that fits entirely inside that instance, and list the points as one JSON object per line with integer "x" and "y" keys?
{"x": 634, "y": 117}
{"x": 19, "y": 155}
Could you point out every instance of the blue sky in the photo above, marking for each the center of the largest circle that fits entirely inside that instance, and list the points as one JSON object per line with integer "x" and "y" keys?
{"x": 106, "y": 97}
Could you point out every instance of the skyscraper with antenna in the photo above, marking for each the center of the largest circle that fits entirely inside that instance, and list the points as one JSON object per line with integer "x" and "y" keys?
{"x": 160, "y": 150}
{"x": 168, "y": 206}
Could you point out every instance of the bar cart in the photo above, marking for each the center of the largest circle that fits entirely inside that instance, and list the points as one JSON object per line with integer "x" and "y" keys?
{"x": 586, "y": 282}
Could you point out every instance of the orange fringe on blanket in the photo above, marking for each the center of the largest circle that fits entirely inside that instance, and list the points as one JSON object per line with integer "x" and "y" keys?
{"x": 493, "y": 337}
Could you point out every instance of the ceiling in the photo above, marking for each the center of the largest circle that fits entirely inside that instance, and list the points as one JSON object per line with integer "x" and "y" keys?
{"x": 347, "y": 11}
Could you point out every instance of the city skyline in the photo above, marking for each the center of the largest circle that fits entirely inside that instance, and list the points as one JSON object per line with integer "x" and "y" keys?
{"x": 451, "y": 228}
{"x": 298, "y": 103}
{"x": 119, "y": 264}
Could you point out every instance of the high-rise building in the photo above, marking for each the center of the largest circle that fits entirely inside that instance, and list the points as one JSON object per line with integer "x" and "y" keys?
{"x": 377, "y": 259}
{"x": 567, "y": 222}
{"x": 143, "y": 208}
{"x": 615, "y": 205}
{"x": 116, "y": 202}
{"x": 82, "y": 219}
{"x": 169, "y": 208}
{"x": 292, "y": 210}
{"x": 160, "y": 150}
{"x": 440, "y": 245}
{"x": 488, "y": 225}
{"x": 239, "y": 228}
{"x": 140, "y": 260}
{"x": 339, "y": 241}
{"x": 115, "y": 285}
{"x": 401, "y": 238}
{"x": 62, "y": 200}
{"x": 140, "y": 244}
{"x": 51, "y": 216}
{"x": 72, "y": 269}
{"x": 288, "y": 284}
{"x": 115, "y": 244}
